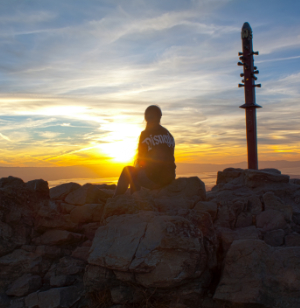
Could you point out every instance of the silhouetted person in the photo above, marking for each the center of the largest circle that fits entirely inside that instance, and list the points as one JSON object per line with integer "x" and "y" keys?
{"x": 155, "y": 163}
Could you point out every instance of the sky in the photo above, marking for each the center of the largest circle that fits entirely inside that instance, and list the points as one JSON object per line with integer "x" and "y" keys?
{"x": 77, "y": 75}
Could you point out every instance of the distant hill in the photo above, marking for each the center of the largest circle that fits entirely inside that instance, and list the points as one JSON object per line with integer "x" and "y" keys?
{"x": 98, "y": 171}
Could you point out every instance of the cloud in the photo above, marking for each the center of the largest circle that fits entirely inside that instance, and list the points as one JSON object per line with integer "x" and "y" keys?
{"x": 4, "y": 137}
{"x": 27, "y": 18}
{"x": 49, "y": 135}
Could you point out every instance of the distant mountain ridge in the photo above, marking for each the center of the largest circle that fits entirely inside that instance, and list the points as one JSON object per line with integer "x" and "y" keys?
{"x": 98, "y": 171}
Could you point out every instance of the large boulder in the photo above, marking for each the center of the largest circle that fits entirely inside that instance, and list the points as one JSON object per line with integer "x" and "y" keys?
{"x": 97, "y": 278}
{"x": 209, "y": 207}
{"x": 11, "y": 181}
{"x": 58, "y": 237}
{"x": 232, "y": 178}
{"x": 182, "y": 193}
{"x": 24, "y": 285}
{"x": 61, "y": 191}
{"x": 66, "y": 272}
{"x": 54, "y": 298}
{"x": 39, "y": 186}
{"x": 254, "y": 178}
{"x": 257, "y": 274}
{"x": 87, "y": 213}
{"x": 271, "y": 220}
{"x": 6, "y": 243}
{"x": 162, "y": 251}
{"x": 129, "y": 204}
{"x": 115, "y": 244}
{"x": 273, "y": 202}
{"x": 88, "y": 193}
{"x": 20, "y": 262}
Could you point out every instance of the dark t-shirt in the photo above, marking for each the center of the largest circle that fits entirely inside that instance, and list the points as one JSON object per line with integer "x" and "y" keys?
{"x": 156, "y": 154}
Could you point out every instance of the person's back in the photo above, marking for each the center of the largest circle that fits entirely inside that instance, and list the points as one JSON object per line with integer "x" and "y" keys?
{"x": 156, "y": 154}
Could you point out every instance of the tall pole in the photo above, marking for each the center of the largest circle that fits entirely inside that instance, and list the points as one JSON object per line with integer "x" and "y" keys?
{"x": 249, "y": 85}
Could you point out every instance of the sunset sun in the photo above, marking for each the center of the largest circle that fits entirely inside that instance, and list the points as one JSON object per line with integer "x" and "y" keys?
{"x": 121, "y": 141}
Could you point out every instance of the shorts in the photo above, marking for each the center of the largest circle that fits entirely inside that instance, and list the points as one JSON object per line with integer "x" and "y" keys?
{"x": 143, "y": 180}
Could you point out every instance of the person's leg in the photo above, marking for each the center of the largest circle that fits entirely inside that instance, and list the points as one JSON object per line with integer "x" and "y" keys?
{"x": 144, "y": 181}
{"x": 126, "y": 178}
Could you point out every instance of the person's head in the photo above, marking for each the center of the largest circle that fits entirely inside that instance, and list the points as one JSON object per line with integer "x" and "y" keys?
{"x": 153, "y": 115}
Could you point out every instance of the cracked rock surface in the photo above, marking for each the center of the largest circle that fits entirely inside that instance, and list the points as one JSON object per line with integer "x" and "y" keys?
{"x": 74, "y": 246}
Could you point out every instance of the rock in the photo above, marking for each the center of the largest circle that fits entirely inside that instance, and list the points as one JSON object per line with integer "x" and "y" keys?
{"x": 6, "y": 243}
{"x": 295, "y": 181}
{"x": 87, "y": 193}
{"x": 17, "y": 303}
{"x": 32, "y": 300}
{"x": 270, "y": 220}
{"x": 62, "y": 280}
{"x": 121, "y": 295}
{"x": 66, "y": 266}
{"x": 29, "y": 248}
{"x": 182, "y": 193}
{"x": 61, "y": 191}
{"x": 210, "y": 207}
{"x": 4, "y": 300}
{"x": 227, "y": 236}
{"x": 272, "y": 202}
{"x": 58, "y": 237}
{"x": 24, "y": 285}
{"x": 49, "y": 218}
{"x": 67, "y": 272}
{"x": 20, "y": 262}
{"x": 39, "y": 186}
{"x": 274, "y": 237}
{"x": 125, "y": 276}
{"x": 271, "y": 170}
{"x": 270, "y": 276}
{"x": 81, "y": 253}
{"x": 244, "y": 220}
{"x": 11, "y": 181}
{"x": 292, "y": 239}
{"x": 170, "y": 270}
{"x": 97, "y": 278}
{"x": 228, "y": 211}
{"x": 59, "y": 297}
{"x": 229, "y": 174}
{"x": 128, "y": 204}
{"x": 115, "y": 244}
{"x": 87, "y": 213}
{"x": 165, "y": 232}
{"x": 255, "y": 178}
{"x": 66, "y": 208}
{"x": 50, "y": 252}
{"x": 161, "y": 250}
{"x": 21, "y": 234}
{"x": 170, "y": 252}
{"x": 90, "y": 229}
{"x": 254, "y": 205}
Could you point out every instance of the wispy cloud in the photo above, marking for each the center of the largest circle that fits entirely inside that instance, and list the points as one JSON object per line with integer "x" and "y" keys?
{"x": 4, "y": 137}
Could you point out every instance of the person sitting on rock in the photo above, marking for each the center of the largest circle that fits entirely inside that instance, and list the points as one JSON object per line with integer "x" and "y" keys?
{"x": 155, "y": 162}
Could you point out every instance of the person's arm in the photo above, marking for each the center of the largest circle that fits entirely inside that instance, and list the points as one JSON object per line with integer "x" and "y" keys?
{"x": 141, "y": 154}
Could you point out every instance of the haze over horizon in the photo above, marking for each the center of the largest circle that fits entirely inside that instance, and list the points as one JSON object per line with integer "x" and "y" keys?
{"x": 76, "y": 77}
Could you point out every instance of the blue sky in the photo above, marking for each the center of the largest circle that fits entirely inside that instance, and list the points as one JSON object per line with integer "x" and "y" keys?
{"x": 77, "y": 75}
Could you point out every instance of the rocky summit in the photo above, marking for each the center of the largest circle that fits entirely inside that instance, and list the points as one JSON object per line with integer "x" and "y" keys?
{"x": 75, "y": 246}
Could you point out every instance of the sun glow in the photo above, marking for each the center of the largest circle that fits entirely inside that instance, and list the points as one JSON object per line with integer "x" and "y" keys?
{"x": 121, "y": 141}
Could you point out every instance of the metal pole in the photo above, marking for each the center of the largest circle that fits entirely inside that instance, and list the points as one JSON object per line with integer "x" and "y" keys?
{"x": 249, "y": 85}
